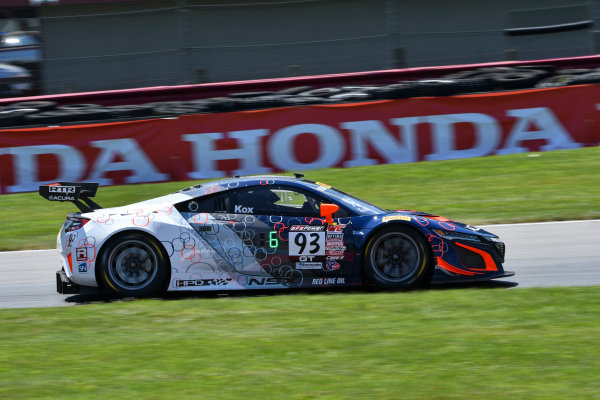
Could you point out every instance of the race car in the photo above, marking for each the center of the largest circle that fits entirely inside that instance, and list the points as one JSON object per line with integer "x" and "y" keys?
{"x": 261, "y": 233}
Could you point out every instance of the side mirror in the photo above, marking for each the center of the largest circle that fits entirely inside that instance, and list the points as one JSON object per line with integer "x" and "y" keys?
{"x": 327, "y": 211}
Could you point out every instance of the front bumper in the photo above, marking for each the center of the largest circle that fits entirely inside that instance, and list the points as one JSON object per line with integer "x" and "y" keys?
{"x": 461, "y": 260}
{"x": 441, "y": 278}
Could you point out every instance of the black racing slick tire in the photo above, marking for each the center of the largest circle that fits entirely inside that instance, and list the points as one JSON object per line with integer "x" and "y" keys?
{"x": 397, "y": 257}
{"x": 133, "y": 264}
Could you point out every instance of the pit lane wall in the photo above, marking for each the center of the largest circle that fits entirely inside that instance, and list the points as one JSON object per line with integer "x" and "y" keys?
{"x": 302, "y": 138}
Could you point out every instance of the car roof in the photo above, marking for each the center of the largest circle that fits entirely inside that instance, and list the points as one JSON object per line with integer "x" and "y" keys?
{"x": 349, "y": 202}
{"x": 220, "y": 185}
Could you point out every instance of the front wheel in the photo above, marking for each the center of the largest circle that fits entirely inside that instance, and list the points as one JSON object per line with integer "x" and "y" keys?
{"x": 133, "y": 264}
{"x": 397, "y": 257}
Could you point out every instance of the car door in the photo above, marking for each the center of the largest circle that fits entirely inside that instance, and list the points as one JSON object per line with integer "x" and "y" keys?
{"x": 291, "y": 242}
{"x": 273, "y": 235}
{"x": 235, "y": 241}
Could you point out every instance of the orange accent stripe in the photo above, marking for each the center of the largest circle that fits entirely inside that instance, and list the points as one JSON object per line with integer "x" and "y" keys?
{"x": 449, "y": 267}
{"x": 70, "y": 260}
{"x": 490, "y": 265}
{"x": 439, "y": 218}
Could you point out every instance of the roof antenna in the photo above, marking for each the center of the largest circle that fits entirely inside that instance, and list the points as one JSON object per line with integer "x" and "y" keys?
{"x": 298, "y": 175}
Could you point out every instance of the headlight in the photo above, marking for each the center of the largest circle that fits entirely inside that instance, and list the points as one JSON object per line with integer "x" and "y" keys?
{"x": 456, "y": 235}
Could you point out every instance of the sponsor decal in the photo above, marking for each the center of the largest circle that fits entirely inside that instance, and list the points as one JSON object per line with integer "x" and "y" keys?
{"x": 62, "y": 189}
{"x": 332, "y": 265}
{"x": 335, "y": 248}
{"x": 329, "y": 281}
{"x": 241, "y": 281}
{"x": 334, "y": 245}
{"x": 203, "y": 282}
{"x": 243, "y": 210}
{"x": 85, "y": 249}
{"x": 335, "y": 242}
{"x": 61, "y": 198}
{"x": 81, "y": 253}
{"x": 309, "y": 265}
{"x": 307, "y": 228}
{"x": 322, "y": 186}
{"x": 83, "y": 267}
{"x": 335, "y": 236}
{"x": 265, "y": 281}
{"x": 395, "y": 218}
{"x": 70, "y": 238}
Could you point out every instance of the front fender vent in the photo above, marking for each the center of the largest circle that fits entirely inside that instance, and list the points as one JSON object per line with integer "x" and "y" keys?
{"x": 469, "y": 258}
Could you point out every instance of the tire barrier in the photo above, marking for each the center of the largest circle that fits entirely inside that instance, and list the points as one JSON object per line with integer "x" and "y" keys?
{"x": 481, "y": 80}
{"x": 39, "y": 105}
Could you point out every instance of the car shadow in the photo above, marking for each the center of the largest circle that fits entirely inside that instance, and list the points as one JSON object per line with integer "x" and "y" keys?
{"x": 475, "y": 285}
{"x": 98, "y": 298}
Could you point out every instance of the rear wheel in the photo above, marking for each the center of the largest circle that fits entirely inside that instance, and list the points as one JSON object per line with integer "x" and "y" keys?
{"x": 134, "y": 264}
{"x": 397, "y": 257}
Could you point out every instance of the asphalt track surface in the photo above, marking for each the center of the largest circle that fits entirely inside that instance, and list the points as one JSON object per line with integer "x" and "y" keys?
{"x": 546, "y": 254}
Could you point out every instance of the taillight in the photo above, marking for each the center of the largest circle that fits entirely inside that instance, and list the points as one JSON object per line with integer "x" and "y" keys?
{"x": 74, "y": 223}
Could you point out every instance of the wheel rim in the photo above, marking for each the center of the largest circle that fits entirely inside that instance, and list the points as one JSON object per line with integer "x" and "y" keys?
{"x": 395, "y": 257}
{"x": 133, "y": 264}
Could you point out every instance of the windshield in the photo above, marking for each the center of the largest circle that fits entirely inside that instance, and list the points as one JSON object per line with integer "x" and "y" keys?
{"x": 360, "y": 206}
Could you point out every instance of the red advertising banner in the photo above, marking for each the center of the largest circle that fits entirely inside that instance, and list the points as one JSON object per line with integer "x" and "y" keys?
{"x": 302, "y": 138}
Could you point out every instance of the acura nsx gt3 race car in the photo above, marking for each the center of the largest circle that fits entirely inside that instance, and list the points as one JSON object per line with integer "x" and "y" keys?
{"x": 261, "y": 232}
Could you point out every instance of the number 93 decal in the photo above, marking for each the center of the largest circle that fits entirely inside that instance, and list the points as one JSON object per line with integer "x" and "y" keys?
{"x": 306, "y": 240}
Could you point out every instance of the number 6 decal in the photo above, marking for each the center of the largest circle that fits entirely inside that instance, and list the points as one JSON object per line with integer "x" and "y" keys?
{"x": 307, "y": 240}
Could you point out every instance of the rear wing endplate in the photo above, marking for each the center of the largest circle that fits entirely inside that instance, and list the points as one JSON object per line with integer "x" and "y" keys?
{"x": 78, "y": 193}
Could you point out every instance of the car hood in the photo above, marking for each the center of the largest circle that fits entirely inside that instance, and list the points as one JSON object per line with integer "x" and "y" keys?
{"x": 439, "y": 218}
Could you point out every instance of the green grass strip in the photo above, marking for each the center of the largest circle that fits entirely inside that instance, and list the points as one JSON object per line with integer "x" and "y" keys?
{"x": 559, "y": 185}
{"x": 436, "y": 344}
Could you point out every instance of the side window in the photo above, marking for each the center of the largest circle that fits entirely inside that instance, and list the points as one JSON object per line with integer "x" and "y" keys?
{"x": 277, "y": 200}
{"x": 254, "y": 200}
{"x": 216, "y": 203}
{"x": 293, "y": 202}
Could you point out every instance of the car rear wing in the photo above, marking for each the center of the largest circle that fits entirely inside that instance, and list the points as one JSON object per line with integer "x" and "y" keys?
{"x": 78, "y": 193}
